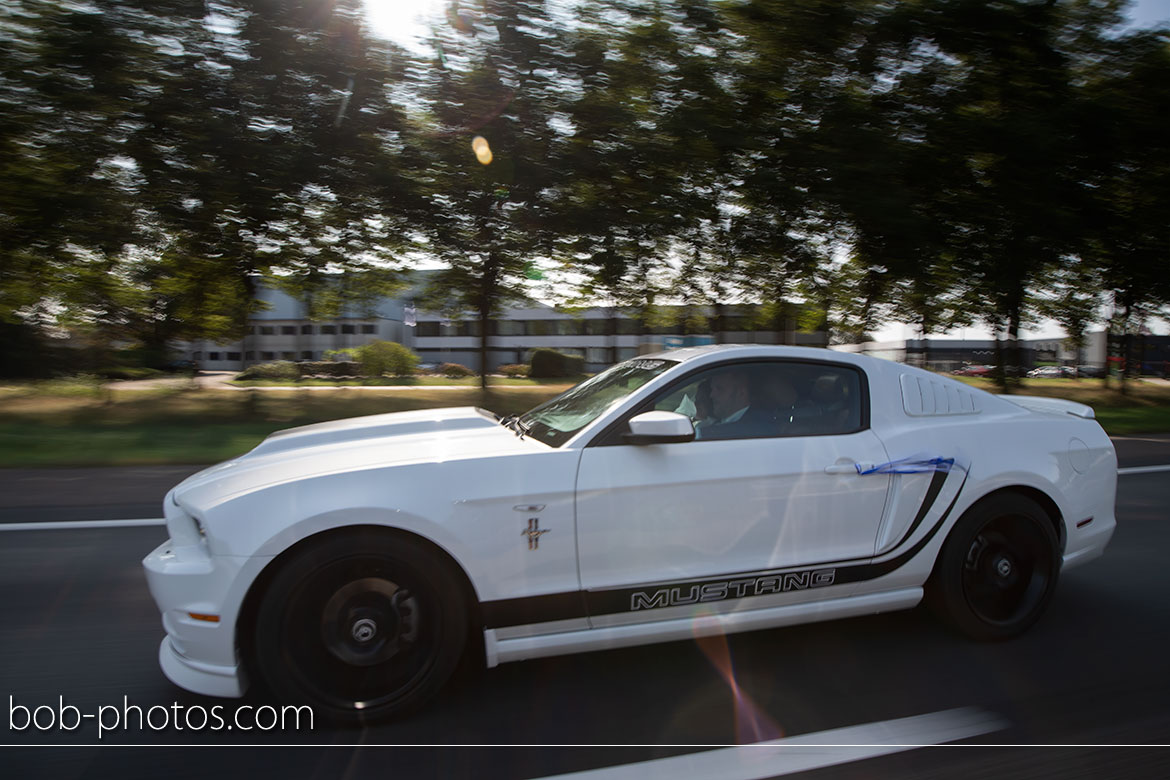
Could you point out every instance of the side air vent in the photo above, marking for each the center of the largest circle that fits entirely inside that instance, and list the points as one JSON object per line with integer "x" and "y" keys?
{"x": 926, "y": 397}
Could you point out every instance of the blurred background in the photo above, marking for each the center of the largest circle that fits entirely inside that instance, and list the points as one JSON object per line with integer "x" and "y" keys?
{"x": 220, "y": 184}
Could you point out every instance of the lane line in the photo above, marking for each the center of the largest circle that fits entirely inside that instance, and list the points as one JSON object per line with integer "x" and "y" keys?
{"x": 1142, "y": 470}
{"x": 807, "y": 751}
{"x": 79, "y": 524}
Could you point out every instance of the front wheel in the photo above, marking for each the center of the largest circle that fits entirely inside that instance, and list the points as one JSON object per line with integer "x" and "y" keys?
{"x": 362, "y": 626}
{"x": 998, "y": 568}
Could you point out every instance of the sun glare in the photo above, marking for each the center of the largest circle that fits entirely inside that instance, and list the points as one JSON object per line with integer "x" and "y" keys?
{"x": 406, "y": 22}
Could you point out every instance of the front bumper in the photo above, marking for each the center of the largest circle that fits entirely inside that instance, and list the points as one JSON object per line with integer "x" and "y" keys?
{"x": 196, "y": 654}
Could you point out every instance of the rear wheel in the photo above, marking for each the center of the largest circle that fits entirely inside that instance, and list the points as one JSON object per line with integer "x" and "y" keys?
{"x": 998, "y": 568}
{"x": 362, "y": 626}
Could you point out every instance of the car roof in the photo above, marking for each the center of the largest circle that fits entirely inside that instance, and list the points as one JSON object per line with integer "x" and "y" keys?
{"x": 709, "y": 353}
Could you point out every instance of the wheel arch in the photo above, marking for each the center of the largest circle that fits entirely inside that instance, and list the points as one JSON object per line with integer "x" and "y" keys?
{"x": 249, "y": 608}
{"x": 1042, "y": 499}
{"x": 1046, "y": 502}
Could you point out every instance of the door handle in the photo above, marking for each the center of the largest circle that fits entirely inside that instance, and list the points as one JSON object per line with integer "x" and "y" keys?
{"x": 846, "y": 467}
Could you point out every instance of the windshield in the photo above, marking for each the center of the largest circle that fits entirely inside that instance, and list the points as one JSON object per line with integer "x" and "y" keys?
{"x": 555, "y": 422}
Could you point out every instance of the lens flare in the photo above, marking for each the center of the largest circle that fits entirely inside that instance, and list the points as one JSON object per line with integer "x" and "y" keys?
{"x": 751, "y": 723}
{"x": 483, "y": 152}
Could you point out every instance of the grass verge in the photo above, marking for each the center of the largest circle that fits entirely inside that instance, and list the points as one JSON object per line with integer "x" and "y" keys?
{"x": 74, "y": 424}
{"x": 201, "y": 426}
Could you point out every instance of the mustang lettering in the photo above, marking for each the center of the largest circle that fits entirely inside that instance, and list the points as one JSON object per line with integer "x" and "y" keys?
{"x": 718, "y": 591}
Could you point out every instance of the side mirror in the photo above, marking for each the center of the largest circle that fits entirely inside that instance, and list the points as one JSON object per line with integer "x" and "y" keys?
{"x": 659, "y": 428}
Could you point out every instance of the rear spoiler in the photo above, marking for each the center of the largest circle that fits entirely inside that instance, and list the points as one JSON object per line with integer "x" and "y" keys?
{"x": 1037, "y": 403}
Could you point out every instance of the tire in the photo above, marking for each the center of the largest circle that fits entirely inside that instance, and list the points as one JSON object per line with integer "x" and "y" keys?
{"x": 363, "y": 626}
{"x": 998, "y": 569}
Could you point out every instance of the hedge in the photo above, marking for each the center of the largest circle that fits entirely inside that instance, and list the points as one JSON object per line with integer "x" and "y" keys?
{"x": 550, "y": 364}
{"x": 455, "y": 370}
{"x": 330, "y": 368}
{"x": 280, "y": 369}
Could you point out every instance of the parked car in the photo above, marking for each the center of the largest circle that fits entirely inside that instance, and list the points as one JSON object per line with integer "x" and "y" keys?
{"x": 350, "y": 564}
{"x": 1048, "y": 372}
{"x": 973, "y": 371}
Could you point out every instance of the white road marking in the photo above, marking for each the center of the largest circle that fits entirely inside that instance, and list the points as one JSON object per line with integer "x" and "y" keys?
{"x": 79, "y": 524}
{"x": 807, "y": 751}
{"x": 1142, "y": 470}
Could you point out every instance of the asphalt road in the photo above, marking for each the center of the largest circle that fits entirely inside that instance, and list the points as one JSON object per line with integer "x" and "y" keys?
{"x": 77, "y": 622}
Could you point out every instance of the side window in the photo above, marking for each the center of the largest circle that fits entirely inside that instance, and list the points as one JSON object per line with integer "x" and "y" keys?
{"x": 769, "y": 399}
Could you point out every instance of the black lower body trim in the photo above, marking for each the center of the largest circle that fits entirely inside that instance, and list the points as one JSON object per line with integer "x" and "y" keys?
{"x": 580, "y": 604}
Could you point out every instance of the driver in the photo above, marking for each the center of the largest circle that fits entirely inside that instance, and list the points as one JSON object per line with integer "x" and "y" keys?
{"x": 732, "y": 415}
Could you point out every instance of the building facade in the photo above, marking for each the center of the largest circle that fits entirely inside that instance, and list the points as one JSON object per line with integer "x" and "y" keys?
{"x": 282, "y": 332}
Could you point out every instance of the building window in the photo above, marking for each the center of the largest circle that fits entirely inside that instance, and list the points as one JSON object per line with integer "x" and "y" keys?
{"x": 328, "y": 330}
{"x": 596, "y": 327}
{"x": 268, "y": 356}
{"x": 250, "y": 330}
{"x": 347, "y": 329}
{"x": 596, "y": 355}
{"x": 306, "y": 330}
{"x": 627, "y": 327}
{"x": 249, "y": 356}
{"x": 288, "y": 330}
{"x": 507, "y": 328}
{"x": 306, "y": 355}
{"x": 369, "y": 329}
{"x": 288, "y": 356}
{"x": 427, "y": 329}
{"x": 233, "y": 356}
{"x": 570, "y": 327}
{"x": 213, "y": 356}
{"x": 267, "y": 330}
{"x": 197, "y": 356}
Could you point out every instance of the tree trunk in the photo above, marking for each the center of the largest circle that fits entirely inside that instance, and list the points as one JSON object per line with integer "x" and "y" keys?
{"x": 1000, "y": 375}
{"x": 1013, "y": 348}
{"x": 611, "y": 332}
{"x": 1125, "y": 344}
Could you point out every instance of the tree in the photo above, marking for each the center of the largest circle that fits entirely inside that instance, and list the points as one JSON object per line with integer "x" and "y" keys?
{"x": 386, "y": 357}
{"x": 489, "y": 95}
{"x": 1126, "y": 95}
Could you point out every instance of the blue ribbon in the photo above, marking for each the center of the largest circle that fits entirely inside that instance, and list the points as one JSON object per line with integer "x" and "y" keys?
{"x": 910, "y": 466}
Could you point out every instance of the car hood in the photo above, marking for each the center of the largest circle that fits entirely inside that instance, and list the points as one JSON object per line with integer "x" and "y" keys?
{"x": 375, "y": 441}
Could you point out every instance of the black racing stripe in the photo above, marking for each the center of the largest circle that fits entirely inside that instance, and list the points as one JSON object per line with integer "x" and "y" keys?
{"x": 932, "y": 491}
{"x": 871, "y": 571}
{"x": 534, "y": 609}
{"x": 579, "y": 604}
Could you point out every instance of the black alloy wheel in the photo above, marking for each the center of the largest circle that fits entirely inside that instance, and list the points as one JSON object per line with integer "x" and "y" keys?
{"x": 363, "y": 626}
{"x": 998, "y": 568}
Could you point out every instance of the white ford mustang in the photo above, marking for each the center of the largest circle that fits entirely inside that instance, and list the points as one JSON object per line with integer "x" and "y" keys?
{"x": 350, "y": 564}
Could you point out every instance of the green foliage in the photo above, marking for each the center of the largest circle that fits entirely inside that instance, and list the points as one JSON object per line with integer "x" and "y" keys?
{"x": 549, "y": 364}
{"x": 938, "y": 162}
{"x": 386, "y": 357}
{"x": 346, "y": 368}
{"x": 280, "y": 369}
{"x": 513, "y": 370}
{"x": 346, "y": 354}
{"x": 454, "y": 370}
{"x": 129, "y": 372}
